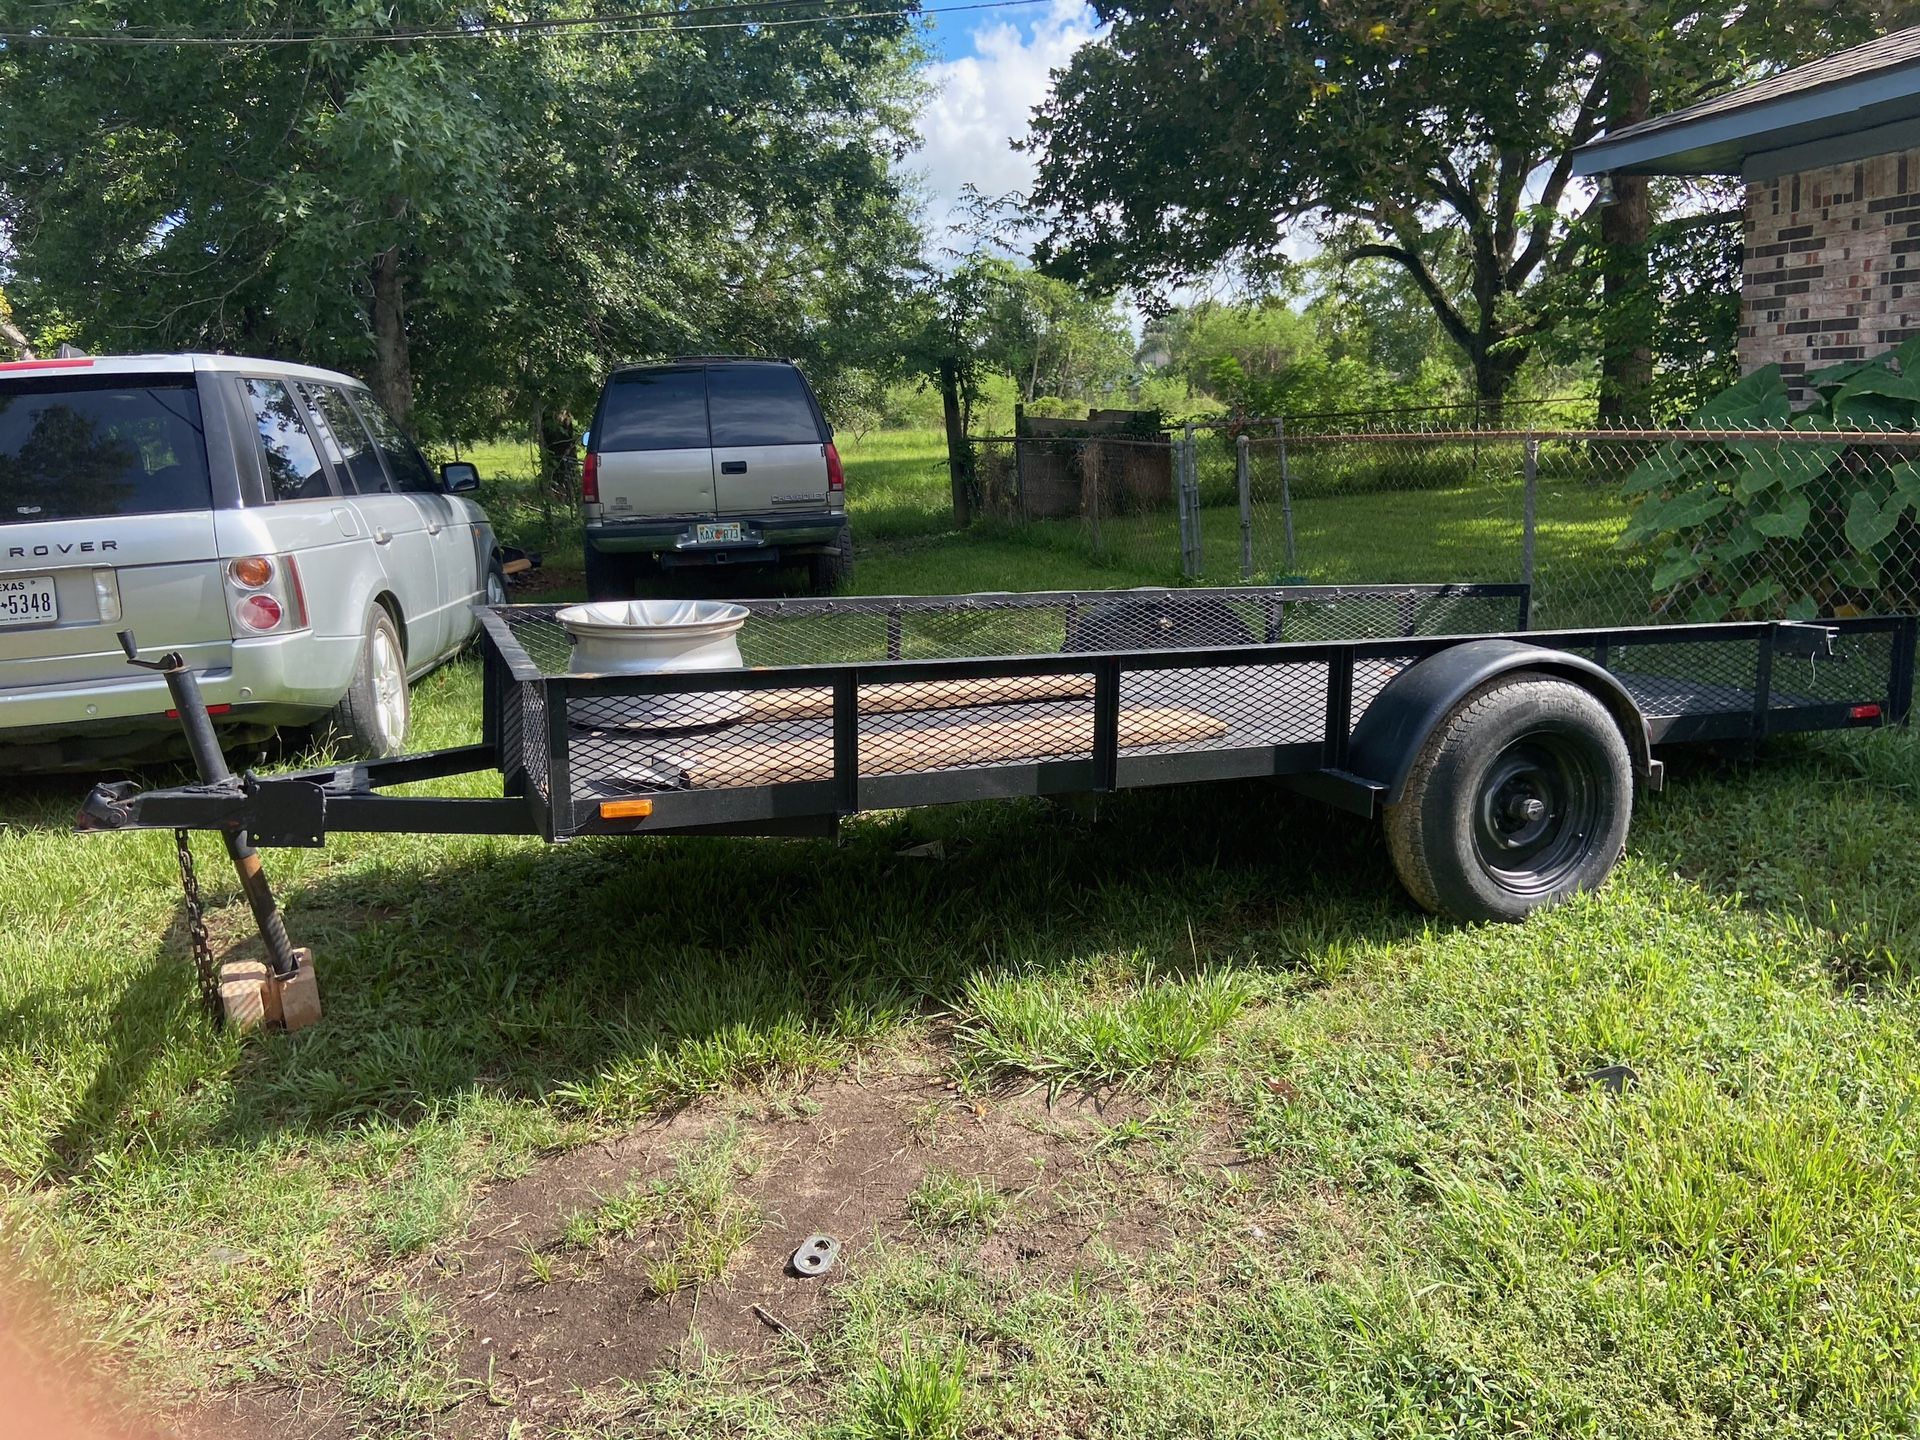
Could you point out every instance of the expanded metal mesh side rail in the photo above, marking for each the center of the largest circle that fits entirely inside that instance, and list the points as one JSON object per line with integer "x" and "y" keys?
{"x": 866, "y": 629}
{"x": 880, "y": 714}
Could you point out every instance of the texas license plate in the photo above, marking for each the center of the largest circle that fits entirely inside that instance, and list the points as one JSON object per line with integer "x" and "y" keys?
{"x": 725, "y": 533}
{"x": 28, "y": 600}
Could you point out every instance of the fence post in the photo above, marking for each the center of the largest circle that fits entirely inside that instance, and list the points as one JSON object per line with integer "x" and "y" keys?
{"x": 1189, "y": 521}
{"x": 1020, "y": 472}
{"x": 1193, "y": 508}
{"x": 1527, "y": 523}
{"x": 1243, "y": 479}
{"x": 1286, "y": 496}
{"x": 1091, "y": 475}
{"x": 1180, "y": 496}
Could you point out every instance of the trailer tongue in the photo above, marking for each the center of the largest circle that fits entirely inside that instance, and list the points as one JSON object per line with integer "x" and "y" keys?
{"x": 1503, "y": 760}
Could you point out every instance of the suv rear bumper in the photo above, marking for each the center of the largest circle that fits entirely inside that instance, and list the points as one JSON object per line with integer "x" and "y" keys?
{"x": 280, "y": 679}
{"x": 763, "y": 539}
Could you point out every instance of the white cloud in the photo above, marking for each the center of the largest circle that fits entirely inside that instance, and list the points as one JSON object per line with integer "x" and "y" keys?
{"x": 982, "y": 103}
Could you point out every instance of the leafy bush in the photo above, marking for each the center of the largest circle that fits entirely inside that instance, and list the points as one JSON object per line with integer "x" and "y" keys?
{"x": 1769, "y": 529}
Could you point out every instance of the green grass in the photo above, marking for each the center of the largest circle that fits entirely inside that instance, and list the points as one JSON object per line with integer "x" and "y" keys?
{"x": 1351, "y": 1183}
{"x": 1066, "y": 1031}
{"x": 946, "y": 1201}
{"x": 694, "y": 1219}
{"x": 897, "y": 484}
{"x": 919, "y": 1396}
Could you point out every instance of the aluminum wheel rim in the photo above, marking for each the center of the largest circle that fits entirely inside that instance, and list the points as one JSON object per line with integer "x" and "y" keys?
{"x": 496, "y": 589}
{"x": 389, "y": 686}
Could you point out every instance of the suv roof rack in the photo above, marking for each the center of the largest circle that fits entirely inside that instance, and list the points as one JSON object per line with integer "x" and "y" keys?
{"x": 713, "y": 359}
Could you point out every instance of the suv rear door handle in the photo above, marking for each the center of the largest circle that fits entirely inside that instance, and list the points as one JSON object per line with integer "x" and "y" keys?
{"x": 733, "y": 467}
{"x": 382, "y": 537}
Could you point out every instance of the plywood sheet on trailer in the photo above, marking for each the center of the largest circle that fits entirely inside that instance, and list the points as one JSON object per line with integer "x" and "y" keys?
{"x": 976, "y": 741}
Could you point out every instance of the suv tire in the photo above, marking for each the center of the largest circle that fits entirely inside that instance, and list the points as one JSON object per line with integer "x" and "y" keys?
{"x": 829, "y": 572}
{"x": 610, "y": 577}
{"x": 370, "y": 721}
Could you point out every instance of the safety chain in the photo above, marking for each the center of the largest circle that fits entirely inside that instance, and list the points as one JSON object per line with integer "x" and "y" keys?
{"x": 205, "y": 971}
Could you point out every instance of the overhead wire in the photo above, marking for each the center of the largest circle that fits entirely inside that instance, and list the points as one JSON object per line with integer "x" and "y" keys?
{"x": 630, "y": 23}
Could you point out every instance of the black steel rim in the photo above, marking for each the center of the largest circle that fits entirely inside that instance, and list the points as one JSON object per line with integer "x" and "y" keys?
{"x": 1535, "y": 812}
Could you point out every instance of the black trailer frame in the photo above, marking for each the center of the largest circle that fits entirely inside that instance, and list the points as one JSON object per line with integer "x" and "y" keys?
{"x": 1336, "y": 716}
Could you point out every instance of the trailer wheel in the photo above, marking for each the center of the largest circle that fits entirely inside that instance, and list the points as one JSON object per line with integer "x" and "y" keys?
{"x": 1519, "y": 798}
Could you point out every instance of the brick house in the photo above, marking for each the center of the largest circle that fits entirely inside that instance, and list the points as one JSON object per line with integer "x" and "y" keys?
{"x": 1830, "y": 153}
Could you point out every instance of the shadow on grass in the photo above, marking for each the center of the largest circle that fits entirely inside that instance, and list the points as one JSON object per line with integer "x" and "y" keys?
{"x": 623, "y": 976}
{"x": 152, "y": 1010}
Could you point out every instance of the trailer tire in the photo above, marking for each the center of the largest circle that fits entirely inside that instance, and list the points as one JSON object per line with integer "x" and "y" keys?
{"x": 1520, "y": 798}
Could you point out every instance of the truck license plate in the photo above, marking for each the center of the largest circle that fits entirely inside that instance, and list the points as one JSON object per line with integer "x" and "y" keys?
{"x": 726, "y": 533}
{"x": 28, "y": 600}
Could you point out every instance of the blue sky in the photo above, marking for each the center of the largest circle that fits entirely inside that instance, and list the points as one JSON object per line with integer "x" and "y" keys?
{"x": 991, "y": 71}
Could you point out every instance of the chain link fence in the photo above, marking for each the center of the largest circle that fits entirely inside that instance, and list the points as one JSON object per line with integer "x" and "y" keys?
{"x": 1608, "y": 526}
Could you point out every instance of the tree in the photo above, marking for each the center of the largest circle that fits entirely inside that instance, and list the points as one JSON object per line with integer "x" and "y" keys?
{"x": 1433, "y": 134}
{"x": 481, "y": 224}
{"x": 10, "y": 332}
{"x": 1675, "y": 333}
{"x": 1049, "y": 337}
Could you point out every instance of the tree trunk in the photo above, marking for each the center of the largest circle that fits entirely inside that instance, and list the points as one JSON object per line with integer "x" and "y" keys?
{"x": 1626, "y": 313}
{"x": 392, "y": 379}
{"x": 557, "y": 440}
{"x": 10, "y": 333}
{"x": 959, "y": 458}
{"x": 1493, "y": 375}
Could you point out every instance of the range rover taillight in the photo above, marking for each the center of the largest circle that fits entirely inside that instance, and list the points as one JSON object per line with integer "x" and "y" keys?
{"x": 264, "y": 596}
{"x": 836, "y": 473}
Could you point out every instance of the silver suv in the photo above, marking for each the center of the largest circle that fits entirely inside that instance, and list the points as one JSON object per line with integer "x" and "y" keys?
{"x": 711, "y": 460}
{"x": 268, "y": 521}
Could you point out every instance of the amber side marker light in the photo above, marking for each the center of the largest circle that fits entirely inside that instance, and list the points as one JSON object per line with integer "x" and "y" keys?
{"x": 625, "y": 809}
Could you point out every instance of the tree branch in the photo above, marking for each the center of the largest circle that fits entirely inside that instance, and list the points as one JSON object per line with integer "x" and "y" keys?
{"x": 1586, "y": 122}
{"x": 1456, "y": 191}
{"x": 1415, "y": 265}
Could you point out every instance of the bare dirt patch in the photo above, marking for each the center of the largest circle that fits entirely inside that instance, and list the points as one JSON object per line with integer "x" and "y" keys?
{"x": 841, "y": 1159}
{"x": 540, "y": 1315}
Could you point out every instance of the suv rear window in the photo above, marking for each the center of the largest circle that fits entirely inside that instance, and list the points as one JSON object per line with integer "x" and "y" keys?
{"x": 761, "y": 405}
{"x": 663, "y": 409}
{"x": 75, "y": 448}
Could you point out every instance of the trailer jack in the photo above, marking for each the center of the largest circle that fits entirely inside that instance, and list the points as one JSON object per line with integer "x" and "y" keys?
{"x": 284, "y": 992}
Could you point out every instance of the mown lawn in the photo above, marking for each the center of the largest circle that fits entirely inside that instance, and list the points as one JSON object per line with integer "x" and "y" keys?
{"x": 1340, "y": 1174}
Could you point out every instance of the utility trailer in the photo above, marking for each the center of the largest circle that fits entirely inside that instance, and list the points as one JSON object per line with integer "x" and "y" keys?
{"x": 1503, "y": 760}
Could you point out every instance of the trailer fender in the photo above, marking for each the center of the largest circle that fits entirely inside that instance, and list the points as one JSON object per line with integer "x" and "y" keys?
{"x": 1416, "y": 701}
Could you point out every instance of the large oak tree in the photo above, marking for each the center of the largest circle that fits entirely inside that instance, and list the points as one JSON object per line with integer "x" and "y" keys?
{"x": 479, "y": 224}
{"x": 1435, "y": 134}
